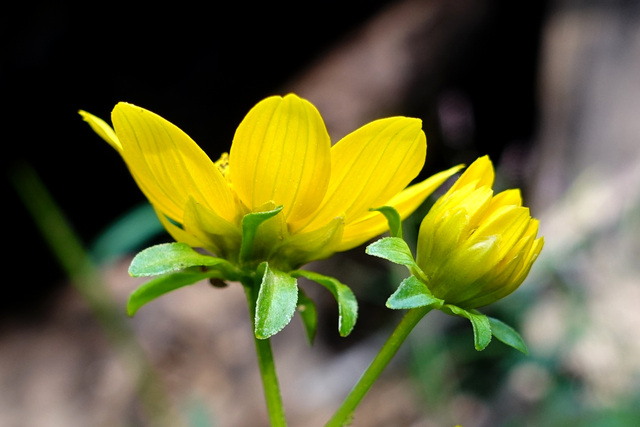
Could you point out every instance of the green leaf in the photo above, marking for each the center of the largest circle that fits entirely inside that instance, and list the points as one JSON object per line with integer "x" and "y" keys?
{"x": 171, "y": 257}
{"x": 507, "y": 335}
{"x": 276, "y": 304}
{"x": 392, "y": 249}
{"x": 394, "y": 220}
{"x": 480, "y": 323}
{"x": 309, "y": 315}
{"x": 347, "y": 303}
{"x": 250, "y": 223}
{"x": 162, "y": 285}
{"x": 412, "y": 293}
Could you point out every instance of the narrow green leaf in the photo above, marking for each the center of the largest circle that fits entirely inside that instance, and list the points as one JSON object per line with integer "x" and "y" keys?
{"x": 480, "y": 323}
{"x": 161, "y": 285}
{"x": 347, "y": 303}
{"x": 276, "y": 304}
{"x": 392, "y": 249}
{"x": 309, "y": 315}
{"x": 171, "y": 257}
{"x": 412, "y": 293}
{"x": 393, "y": 218}
{"x": 250, "y": 223}
{"x": 507, "y": 335}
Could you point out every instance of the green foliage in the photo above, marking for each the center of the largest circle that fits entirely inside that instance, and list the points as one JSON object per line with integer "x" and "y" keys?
{"x": 178, "y": 265}
{"x": 480, "y": 323}
{"x": 347, "y": 304}
{"x": 250, "y": 223}
{"x": 276, "y": 296}
{"x": 393, "y": 249}
{"x": 309, "y": 315}
{"x": 507, "y": 335}
{"x": 85, "y": 278}
{"x": 394, "y": 220}
{"x": 276, "y": 303}
{"x": 413, "y": 293}
{"x": 161, "y": 285}
{"x": 171, "y": 257}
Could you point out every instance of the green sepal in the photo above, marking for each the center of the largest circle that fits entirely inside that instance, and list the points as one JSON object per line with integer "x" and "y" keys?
{"x": 172, "y": 257}
{"x": 250, "y": 224}
{"x": 412, "y": 293}
{"x": 276, "y": 303}
{"x": 393, "y": 249}
{"x": 309, "y": 315}
{"x": 347, "y": 303}
{"x": 507, "y": 335}
{"x": 480, "y": 323}
{"x": 161, "y": 285}
{"x": 393, "y": 218}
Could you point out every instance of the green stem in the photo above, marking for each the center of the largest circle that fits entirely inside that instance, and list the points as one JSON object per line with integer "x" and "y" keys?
{"x": 343, "y": 415}
{"x": 266, "y": 363}
{"x": 85, "y": 278}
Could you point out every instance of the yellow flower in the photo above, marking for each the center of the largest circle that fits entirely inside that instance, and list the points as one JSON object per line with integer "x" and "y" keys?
{"x": 475, "y": 247}
{"x": 281, "y": 157}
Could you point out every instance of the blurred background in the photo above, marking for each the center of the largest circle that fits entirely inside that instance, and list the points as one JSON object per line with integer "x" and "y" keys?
{"x": 549, "y": 89}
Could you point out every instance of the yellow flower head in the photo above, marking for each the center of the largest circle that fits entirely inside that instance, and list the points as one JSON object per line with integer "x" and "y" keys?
{"x": 281, "y": 158}
{"x": 475, "y": 247}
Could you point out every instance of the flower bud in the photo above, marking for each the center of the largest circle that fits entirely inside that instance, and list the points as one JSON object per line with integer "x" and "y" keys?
{"x": 475, "y": 247}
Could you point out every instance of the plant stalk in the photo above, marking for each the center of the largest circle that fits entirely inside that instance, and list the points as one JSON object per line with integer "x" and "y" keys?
{"x": 266, "y": 363}
{"x": 344, "y": 414}
{"x": 84, "y": 276}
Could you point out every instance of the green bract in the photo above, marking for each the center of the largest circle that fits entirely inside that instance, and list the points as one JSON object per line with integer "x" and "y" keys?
{"x": 276, "y": 291}
{"x": 473, "y": 249}
{"x": 413, "y": 293}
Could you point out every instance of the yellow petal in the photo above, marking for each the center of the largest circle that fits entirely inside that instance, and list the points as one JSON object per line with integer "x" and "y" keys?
{"x": 465, "y": 265}
{"x": 281, "y": 153}
{"x": 511, "y": 277}
{"x": 368, "y": 167}
{"x": 510, "y": 222}
{"x": 530, "y": 257}
{"x": 475, "y": 201}
{"x": 507, "y": 197}
{"x": 479, "y": 172}
{"x": 107, "y": 133}
{"x": 406, "y": 202}
{"x": 100, "y": 127}
{"x": 168, "y": 165}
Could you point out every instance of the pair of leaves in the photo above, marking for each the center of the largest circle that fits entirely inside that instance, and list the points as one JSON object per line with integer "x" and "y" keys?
{"x": 278, "y": 294}
{"x": 413, "y": 293}
{"x": 279, "y": 297}
{"x": 484, "y": 327}
{"x": 347, "y": 303}
{"x": 178, "y": 265}
{"x": 174, "y": 263}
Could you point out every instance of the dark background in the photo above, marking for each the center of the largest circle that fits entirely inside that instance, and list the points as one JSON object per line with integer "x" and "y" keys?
{"x": 203, "y": 69}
